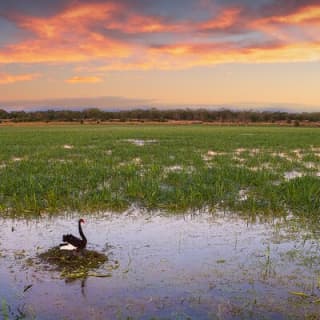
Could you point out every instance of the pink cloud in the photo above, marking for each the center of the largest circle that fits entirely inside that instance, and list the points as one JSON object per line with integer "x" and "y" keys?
{"x": 114, "y": 35}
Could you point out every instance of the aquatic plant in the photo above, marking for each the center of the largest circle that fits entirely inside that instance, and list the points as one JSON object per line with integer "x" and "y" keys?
{"x": 74, "y": 264}
{"x": 5, "y": 310}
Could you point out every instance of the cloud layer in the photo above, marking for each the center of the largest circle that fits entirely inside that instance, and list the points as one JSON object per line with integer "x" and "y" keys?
{"x": 125, "y": 35}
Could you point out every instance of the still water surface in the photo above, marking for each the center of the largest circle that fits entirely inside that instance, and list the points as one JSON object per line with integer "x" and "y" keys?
{"x": 193, "y": 266}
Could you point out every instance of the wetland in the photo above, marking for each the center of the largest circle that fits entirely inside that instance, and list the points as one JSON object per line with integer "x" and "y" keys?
{"x": 189, "y": 222}
{"x": 191, "y": 266}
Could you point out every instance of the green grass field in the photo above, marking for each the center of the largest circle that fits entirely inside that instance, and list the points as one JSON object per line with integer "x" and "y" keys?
{"x": 255, "y": 170}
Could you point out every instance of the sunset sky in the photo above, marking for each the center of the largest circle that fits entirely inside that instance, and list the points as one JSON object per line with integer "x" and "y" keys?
{"x": 131, "y": 53}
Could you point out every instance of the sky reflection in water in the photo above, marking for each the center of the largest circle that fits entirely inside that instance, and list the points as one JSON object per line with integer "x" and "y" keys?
{"x": 202, "y": 266}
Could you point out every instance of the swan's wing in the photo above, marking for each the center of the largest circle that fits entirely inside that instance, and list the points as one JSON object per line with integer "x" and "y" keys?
{"x": 71, "y": 239}
{"x": 67, "y": 246}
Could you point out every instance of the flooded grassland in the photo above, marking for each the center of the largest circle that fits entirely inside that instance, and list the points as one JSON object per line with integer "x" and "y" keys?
{"x": 194, "y": 222}
{"x": 268, "y": 170}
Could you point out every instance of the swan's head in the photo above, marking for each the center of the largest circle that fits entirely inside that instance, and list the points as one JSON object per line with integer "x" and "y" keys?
{"x": 81, "y": 221}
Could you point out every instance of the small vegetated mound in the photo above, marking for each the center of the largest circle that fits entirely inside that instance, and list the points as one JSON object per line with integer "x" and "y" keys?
{"x": 74, "y": 264}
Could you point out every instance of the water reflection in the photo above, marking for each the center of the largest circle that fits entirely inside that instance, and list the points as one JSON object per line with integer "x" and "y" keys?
{"x": 202, "y": 266}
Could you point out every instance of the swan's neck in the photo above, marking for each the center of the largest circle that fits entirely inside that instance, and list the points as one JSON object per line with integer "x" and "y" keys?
{"x": 81, "y": 232}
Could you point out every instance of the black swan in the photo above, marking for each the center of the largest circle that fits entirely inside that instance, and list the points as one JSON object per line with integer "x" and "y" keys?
{"x": 71, "y": 242}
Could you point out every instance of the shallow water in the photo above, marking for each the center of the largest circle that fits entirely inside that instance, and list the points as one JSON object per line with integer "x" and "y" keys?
{"x": 198, "y": 266}
{"x": 292, "y": 175}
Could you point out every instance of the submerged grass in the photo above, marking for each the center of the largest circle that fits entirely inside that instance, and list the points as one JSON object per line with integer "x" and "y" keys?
{"x": 5, "y": 310}
{"x": 174, "y": 168}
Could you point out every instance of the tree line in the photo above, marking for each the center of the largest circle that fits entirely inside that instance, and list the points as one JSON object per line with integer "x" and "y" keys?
{"x": 141, "y": 115}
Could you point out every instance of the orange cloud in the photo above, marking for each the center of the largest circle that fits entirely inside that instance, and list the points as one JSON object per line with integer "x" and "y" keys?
{"x": 188, "y": 55}
{"x": 11, "y": 78}
{"x": 78, "y": 19}
{"x": 77, "y": 34}
{"x": 284, "y": 27}
{"x": 85, "y": 32}
{"x": 145, "y": 24}
{"x": 226, "y": 19}
{"x": 71, "y": 22}
{"x": 66, "y": 37}
{"x": 84, "y": 79}
{"x": 39, "y": 51}
{"x": 207, "y": 54}
{"x": 309, "y": 14}
{"x": 154, "y": 24}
